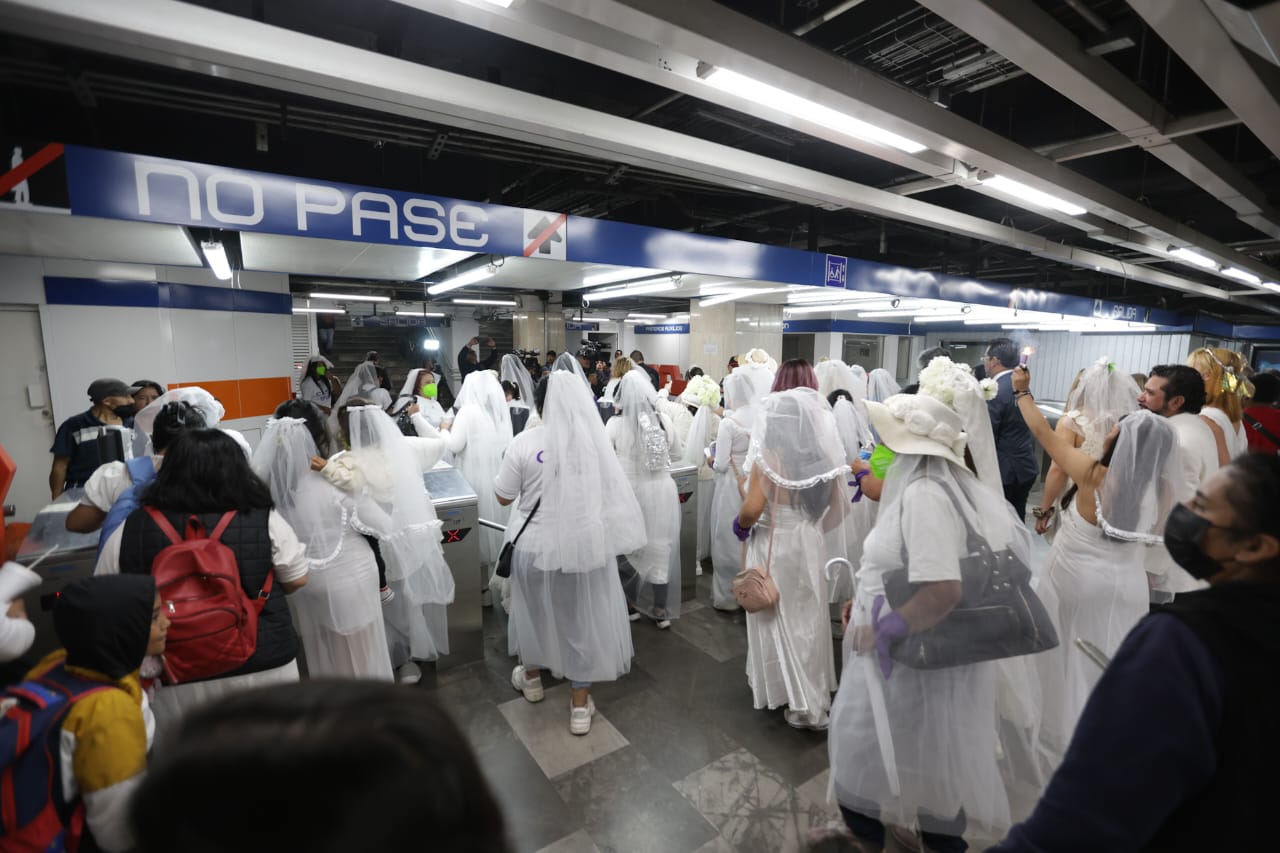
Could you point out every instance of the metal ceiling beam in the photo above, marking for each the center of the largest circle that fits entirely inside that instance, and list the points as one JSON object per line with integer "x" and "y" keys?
{"x": 1257, "y": 29}
{"x": 700, "y": 30}
{"x": 194, "y": 39}
{"x": 1248, "y": 86}
{"x": 1031, "y": 38}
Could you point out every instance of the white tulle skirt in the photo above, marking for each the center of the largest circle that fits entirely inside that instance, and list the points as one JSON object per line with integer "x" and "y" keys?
{"x": 928, "y": 751}
{"x": 338, "y": 616}
{"x": 478, "y": 462}
{"x": 416, "y": 621}
{"x": 789, "y": 656}
{"x": 726, "y": 550}
{"x": 658, "y": 562}
{"x": 571, "y": 623}
{"x": 1095, "y": 588}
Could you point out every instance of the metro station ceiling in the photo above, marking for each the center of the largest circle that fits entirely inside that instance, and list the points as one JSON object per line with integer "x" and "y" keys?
{"x": 51, "y": 91}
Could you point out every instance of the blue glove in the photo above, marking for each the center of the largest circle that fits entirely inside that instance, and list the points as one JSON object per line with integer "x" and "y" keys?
{"x": 888, "y": 630}
{"x": 743, "y": 533}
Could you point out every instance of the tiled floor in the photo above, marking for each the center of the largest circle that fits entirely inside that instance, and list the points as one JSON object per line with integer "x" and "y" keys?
{"x": 677, "y": 760}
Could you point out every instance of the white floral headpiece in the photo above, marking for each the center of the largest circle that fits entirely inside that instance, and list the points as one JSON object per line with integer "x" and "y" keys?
{"x": 943, "y": 378}
{"x": 759, "y": 358}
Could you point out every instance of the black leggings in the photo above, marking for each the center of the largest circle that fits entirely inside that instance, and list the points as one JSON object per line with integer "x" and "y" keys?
{"x": 947, "y": 835}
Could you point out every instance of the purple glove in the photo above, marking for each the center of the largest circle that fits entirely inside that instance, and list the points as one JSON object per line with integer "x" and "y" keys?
{"x": 743, "y": 533}
{"x": 890, "y": 628}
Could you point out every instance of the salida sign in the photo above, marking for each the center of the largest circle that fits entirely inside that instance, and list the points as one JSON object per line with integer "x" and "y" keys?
{"x": 152, "y": 189}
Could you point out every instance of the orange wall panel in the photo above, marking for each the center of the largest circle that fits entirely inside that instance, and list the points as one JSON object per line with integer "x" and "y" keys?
{"x": 246, "y": 398}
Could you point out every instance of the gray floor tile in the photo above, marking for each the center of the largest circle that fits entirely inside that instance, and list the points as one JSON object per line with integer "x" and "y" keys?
{"x": 627, "y": 806}
{"x": 750, "y": 805}
{"x": 716, "y": 845}
{"x": 543, "y": 728}
{"x": 675, "y": 740}
{"x": 534, "y": 812}
{"x": 712, "y": 633}
{"x": 815, "y": 791}
{"x": 578, "y": 842}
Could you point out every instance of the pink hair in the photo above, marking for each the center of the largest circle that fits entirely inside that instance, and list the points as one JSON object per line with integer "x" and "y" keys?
{"x": 795, "y": 373}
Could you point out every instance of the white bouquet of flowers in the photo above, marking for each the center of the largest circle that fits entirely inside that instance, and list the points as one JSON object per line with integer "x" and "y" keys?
{"x": 701, "y": 391}
{"x": 943, "y": 378}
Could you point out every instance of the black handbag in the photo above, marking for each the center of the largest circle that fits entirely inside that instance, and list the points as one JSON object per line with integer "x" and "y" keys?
{"x": 503, "y": 569}
{"x": 999, "y": 615}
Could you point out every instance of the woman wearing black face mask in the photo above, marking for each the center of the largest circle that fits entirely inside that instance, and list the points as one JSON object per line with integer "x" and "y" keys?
{"x": 1178, "y": 747}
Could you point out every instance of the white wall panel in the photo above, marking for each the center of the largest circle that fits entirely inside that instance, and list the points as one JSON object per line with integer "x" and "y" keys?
{"x": 665, "y": 349}
{"x": 261, "y": 345}
{"x": 1059, "y": 355}
{"x": 204, "y": 346}
{"x": 21, "y": 280}
{"x": 84, "y": 343}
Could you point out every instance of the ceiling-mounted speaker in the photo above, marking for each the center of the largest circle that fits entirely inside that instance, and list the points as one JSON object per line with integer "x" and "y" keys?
{"x": 571, "y": 300}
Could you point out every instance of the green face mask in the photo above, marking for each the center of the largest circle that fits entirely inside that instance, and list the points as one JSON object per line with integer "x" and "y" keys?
{"x": 320, "y": 370}
{"x": 429, "y": 390}
{"x": 881, "y": 458}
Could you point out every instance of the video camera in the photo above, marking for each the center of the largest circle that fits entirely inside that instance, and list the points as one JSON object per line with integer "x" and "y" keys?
{"x": 522, "y": 354}
{"x": 596, "y": 351}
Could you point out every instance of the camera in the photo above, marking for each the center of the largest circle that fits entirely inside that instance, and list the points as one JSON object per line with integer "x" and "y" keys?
{"x": 523, "y": 354}
{"x": 595, "y": 350}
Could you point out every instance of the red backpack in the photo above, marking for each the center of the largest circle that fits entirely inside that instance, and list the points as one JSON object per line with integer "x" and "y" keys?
{"x": 213, "y": 621}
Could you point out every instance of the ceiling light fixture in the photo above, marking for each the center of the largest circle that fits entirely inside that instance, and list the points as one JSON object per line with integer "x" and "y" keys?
{"x": 462, "y": 279}
{"x": 646, "y": 316}
{"x": 1241, "y": 275}
{"x": 802, "y": 108}
{"x": 835, "y": 308}
{"x": 297, "y": 310}
{"x": 1192, "y": 257}
{"x": 1271, "y": 285}
{"x": 216, "y": 255}
{"x": 507, "y": 303}
{"x": 612, "y": 276}
{"x": 1031, "y": 195}
{"x": 349, "y": 297}
{"x": 400, "y": 313}
{"x": 635, "y": 288}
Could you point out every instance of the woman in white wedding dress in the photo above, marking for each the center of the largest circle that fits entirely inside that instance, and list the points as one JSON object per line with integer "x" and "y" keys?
{"x": 1094, "y": 583}
{"x": 646, "y": 442}
{"x": 478, "y": 437}
{"x": 338, "y": 613}
{"x": 796, "y": 493}
{"x": 743, "y": 390}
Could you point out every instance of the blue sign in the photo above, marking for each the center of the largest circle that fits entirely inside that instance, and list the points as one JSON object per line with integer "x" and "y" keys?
{"x": 152, "y": 189}
{"x": 575, "y": 326}
{"x": 665, "y": 329}
{"x": 837, "y": 271}
{"x": 393, "y": 321}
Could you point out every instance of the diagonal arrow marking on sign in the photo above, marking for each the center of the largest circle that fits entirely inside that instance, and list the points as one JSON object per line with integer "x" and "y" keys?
{"x": 547, "y": 233}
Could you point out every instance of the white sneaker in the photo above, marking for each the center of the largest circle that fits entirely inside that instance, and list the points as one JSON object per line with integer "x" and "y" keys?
{"x": 633, "y": 616}
{"x": 386, "y": 594}
{"x": 530, "y": 687}
{"x": 409, "y": 673}
{"x": 663, "y": 624}
{"x": 580, "y": 718}
{"x": 798, "y": 720}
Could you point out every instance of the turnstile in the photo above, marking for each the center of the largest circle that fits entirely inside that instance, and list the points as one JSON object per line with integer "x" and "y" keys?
{"x": 457, "y": 507}
{"x": 686, "y": 477}
{"x": 75, "y": 558}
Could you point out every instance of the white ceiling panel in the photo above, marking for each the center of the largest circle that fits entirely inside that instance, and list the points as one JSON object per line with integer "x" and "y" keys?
{"x": 342, "y": 258}
{"x": 47, "y": 234}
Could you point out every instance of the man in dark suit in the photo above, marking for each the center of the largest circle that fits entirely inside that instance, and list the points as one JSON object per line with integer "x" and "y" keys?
{"x": 1015, "y": 448}
{"x": 637, "y": 358}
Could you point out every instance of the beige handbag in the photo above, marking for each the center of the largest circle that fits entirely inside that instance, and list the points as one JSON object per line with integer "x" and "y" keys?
{"x": 754, "y": 588}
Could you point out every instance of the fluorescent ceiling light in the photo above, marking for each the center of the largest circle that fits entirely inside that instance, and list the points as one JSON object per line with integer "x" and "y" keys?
{"x": 625, "y": 274}
{"x": 1271, "y": 285}
{"x": 1241, "y": 275}
{"x": 430, "y": 344}
{"x": 647, "y": 316}
{"x": 509, "y": 303}
{"x": 634, "y": 289}
{"x": 985, "y": 321}
{"x": 1031, "y": 195}
{"x": 634, "y": 322}
{"x": 349, "y": 297}
{"x": 942, "y": 318}
{"x": 217, "y": 258}
{"x": 319, "y": 310}
{"x": 418, "y": 314}
{"x": 1192, "y": 257}
{"x": 820, "y": 309}
{"x": 803, "y": 108}
{"x": 463, "y": 279}
{"x": 506, "y": 4}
